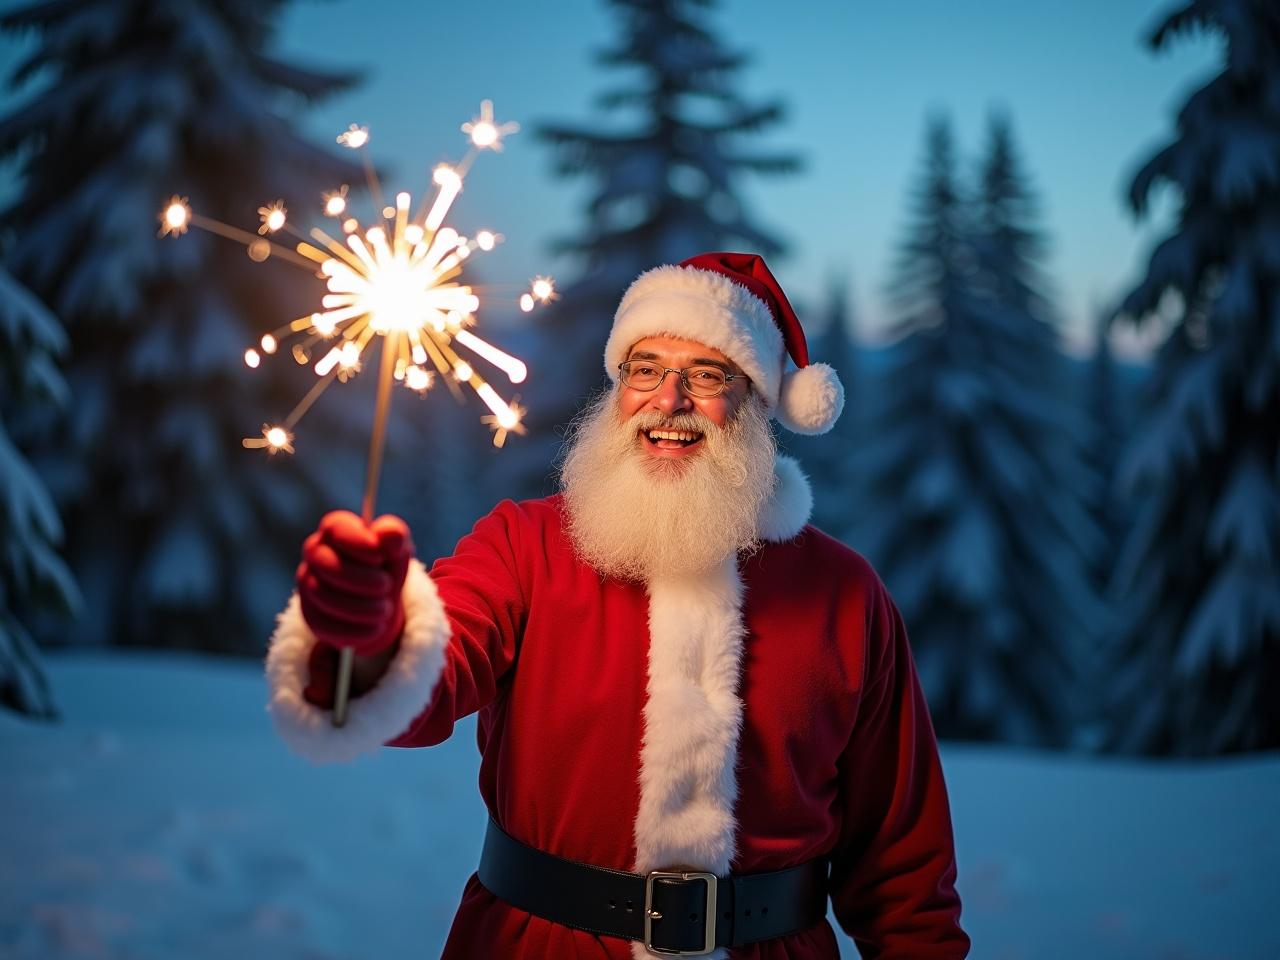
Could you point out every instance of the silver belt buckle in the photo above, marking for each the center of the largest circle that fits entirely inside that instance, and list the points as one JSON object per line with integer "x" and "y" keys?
{"x": 650, "y": 915}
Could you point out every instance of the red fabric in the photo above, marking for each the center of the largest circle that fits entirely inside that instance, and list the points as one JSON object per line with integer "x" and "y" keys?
{"x": 749, "y": 270}
{"x": 837, "y": 755}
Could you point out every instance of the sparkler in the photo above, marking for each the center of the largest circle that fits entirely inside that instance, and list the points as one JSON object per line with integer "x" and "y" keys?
{"x": 397, "y": 280}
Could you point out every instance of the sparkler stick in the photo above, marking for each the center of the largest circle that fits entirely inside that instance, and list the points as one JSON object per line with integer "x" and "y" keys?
{"x": 398, "y": 279}
{"x": 377, "y": 444}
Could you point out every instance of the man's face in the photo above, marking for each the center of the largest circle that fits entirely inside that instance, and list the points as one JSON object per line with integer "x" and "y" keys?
{"x": 671, "y": 398}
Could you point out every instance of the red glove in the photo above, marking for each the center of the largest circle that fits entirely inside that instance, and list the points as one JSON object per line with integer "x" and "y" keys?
{"x": 349, "y": 585}
{"x": 350, "y": 579}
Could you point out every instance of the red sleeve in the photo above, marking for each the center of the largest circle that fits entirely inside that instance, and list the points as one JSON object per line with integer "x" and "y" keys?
{"x": 894, "y": 870}
{"x": 484, "y": 600}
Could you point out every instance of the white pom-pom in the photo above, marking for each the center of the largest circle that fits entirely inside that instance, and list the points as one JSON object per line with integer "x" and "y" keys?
{"x": 810, "y": 400}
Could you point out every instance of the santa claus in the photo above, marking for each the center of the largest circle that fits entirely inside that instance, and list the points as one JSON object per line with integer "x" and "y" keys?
{"x": 699, "y": 717}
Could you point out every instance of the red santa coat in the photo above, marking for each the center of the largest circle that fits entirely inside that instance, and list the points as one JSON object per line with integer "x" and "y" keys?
{"x": 744, "y": 720}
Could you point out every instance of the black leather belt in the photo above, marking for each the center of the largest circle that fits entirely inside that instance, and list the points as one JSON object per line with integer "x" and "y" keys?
{"x": 677, "y": 912}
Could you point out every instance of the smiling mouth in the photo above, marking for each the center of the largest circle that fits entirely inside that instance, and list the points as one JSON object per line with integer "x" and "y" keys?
{"x": 671, "y": 439}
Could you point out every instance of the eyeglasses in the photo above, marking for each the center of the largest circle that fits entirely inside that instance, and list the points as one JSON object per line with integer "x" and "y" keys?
{"x": 700, "y": 380}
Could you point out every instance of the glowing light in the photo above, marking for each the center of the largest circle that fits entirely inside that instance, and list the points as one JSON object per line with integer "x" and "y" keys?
{"x": 274, "y": 438}
{"x": 543, "y": 289}
{"x": 505, "y": 418}
{"x": 398, "y": 277}
{"x": 450, "y": 183}
{"x": 445, "y": 176}
{"x": 527, "y": 302}
{"x": 485, "y": 133}
{"x": 175, "y": 219}
{"x": 328, "y": 362}
{"x": 335, "y": 203}
{"x": 273, "y": 217}
{"x": 355, "y": 136}
{"x": 515, "y": 369}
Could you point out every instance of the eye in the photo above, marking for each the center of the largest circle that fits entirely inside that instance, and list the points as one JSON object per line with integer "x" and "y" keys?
{"x": 707, "y": 375}
{"x": 643, "y": 370}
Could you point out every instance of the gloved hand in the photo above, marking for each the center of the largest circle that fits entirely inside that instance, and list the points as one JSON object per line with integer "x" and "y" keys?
{"x": 349, "y": 585}
{"x": 350, "y": 579}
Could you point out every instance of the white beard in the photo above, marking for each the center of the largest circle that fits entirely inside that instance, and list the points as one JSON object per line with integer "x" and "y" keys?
{"x": 633, "y": 516}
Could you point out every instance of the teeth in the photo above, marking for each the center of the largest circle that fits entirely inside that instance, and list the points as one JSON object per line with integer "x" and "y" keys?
{"x": 673, "y": 435}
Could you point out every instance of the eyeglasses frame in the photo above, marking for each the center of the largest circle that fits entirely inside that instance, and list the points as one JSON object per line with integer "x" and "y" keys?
{"x": 684, "y": 378}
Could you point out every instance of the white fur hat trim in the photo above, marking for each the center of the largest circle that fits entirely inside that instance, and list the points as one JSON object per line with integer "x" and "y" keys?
{"x": 705, "y": 306}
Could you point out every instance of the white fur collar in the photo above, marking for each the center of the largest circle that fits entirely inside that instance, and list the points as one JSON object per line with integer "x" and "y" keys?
{"x": 692, "y": 724}
{"x": 790, "y": 506}
{"x": 692, "y": 714}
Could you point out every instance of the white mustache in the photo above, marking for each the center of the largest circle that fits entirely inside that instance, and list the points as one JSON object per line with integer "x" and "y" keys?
{"x": 657, "y": 420}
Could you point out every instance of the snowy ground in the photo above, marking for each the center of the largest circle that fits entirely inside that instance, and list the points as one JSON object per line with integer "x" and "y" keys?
{"x": 162, "y": 821}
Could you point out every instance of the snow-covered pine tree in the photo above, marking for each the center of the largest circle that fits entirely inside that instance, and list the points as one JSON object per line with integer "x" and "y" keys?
{"x": 831, "y": 459}
{"x": 34, "y": 581}
{"x": 1201, "y": 566}
{"x": 666, "y": 186}
{"x": 1107, "y": 408}
{"x": 1035, "y": 436}
{"x": 177, "y": 535}
{"x": 930, "y": 539}
{"x": 973, "y": 520}
{"x": 1105, "y": 399}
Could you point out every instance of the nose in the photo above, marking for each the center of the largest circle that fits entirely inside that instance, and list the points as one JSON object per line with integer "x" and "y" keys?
{"x": 670, "y": 396}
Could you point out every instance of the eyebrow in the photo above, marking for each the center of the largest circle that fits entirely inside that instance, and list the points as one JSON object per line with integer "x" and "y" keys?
{"x": 696, "y": 361}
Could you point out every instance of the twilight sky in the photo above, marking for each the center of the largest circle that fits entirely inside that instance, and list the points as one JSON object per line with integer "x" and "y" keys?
{"x": 1087, "y": 99}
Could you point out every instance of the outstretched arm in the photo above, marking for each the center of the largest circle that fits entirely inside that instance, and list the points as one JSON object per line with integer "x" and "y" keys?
{"x": 428, "y": 653}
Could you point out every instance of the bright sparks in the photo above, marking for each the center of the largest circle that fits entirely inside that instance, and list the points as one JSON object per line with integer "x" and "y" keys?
{"x": 335, "y": 203}
{"x": 272, "y": 216}
{"x": 274, "y": 439}
{"x": 415, "y": 378}
{"x": 355, "y": 136}
{"x": 504, "y": 420}
{"x": 484, "y": 132}
{"x": 398, "y": 279}
{"x": 543, "y": 289}
{"x": 175, "y": 219}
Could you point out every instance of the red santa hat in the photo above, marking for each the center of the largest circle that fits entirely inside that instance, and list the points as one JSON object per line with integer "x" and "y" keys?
{"x": 732, "y": 302}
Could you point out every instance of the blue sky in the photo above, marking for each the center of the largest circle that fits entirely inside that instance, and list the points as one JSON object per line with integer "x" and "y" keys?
{"x": 1087, "y": 99}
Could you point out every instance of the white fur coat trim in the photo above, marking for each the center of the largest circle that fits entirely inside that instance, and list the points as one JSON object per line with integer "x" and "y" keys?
{"x": 383, "y": 712}
{"x": 789, "y": 508}
{"x": 692, "y": 713}
{"x": 692, "y": 722}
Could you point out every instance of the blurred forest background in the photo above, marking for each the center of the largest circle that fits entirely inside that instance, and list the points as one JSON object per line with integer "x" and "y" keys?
{"x": 1085, "y": 547}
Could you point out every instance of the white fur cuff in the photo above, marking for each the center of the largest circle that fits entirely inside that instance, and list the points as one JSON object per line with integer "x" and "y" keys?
{"x": 382, "y": 713}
